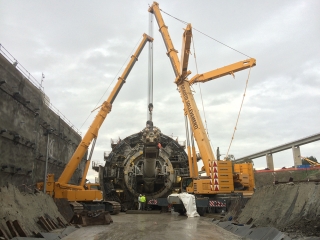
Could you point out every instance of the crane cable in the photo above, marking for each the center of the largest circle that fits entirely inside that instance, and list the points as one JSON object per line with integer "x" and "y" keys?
{"x": 150, "y": 70}
{"x": 96, "y": 107}
{"x": 235, "y": 127}
{"x": 196, "y": 63}
{"x": 184, "y": 22}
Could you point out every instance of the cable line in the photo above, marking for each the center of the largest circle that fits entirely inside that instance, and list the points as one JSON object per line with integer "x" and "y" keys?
{"x": 96, "y": 106}
{"x": 235, "y": 127}
{"x": 184, "y": 22}
{"x": 196, "y": 63}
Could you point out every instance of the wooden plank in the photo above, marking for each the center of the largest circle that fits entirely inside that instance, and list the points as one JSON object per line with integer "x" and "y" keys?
{"x": 47, "y": 223}
{"x": 12, "y": 229}
{"x": 44, "y": 224}
{"x": 62, "y": 224}
{"x": 22, "y": 232}
{"x": 53, "y": 222}
{"x": 4, "y": 234}
{"x": 50, "y": 223}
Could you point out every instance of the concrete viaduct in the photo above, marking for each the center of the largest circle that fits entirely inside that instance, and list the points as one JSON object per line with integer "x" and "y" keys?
{"x": 295, "y": 146}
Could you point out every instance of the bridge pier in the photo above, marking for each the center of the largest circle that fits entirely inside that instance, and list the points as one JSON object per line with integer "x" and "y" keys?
{"x": 270, "y": 161}
{"x": 296, "y": 155}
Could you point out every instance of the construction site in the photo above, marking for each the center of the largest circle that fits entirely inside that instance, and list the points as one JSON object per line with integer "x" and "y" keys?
{"x": 157, "y": 178}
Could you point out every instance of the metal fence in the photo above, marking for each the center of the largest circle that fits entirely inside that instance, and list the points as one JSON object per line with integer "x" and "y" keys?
{"x": 4, "y": 52}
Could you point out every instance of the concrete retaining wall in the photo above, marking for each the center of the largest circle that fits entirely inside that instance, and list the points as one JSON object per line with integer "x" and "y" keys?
{"x": 25, "y": 118}
{"x": 267, "y": 178}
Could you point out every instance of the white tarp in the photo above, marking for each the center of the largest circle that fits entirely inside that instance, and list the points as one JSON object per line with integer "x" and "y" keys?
{"x": 189, "y": 203}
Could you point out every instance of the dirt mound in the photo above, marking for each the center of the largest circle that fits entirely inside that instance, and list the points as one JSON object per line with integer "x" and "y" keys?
{"x": 289, "y": 208}
{"x": 26, "y": 207}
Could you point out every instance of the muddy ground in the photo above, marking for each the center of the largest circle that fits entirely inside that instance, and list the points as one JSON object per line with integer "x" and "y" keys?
{"x": 291, "y": 208}
{"x": 162, "y": 226}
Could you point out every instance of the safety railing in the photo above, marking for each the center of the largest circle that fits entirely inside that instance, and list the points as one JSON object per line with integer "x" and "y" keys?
{"x": 4, "y": 52}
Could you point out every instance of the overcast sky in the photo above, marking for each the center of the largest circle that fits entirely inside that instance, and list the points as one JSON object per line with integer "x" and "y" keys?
{"x": 82, "y": 46}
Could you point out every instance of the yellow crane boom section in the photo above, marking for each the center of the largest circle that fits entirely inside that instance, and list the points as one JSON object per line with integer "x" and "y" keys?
{"x": 221, "y": 72}
{"x": 105, "y": 108}
{"x": 312, "y": 163}
{"x": 183, "y": 84}
{"x": 185, "y": 91}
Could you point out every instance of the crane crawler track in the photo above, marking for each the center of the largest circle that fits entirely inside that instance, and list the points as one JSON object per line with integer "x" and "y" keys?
{"x": 114, "y": 207}
{"x": 76, "y": 207}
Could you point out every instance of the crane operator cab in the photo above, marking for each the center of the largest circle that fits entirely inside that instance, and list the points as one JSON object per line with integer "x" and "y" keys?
{"x": 187, "y": 185}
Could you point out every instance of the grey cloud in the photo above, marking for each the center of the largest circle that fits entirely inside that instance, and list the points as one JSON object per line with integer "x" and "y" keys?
{"x": 81, "y": 46}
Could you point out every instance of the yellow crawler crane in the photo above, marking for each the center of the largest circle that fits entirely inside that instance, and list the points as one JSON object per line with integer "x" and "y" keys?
{"x": 223, "y": 178}
{"x": 79, "y": 196}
